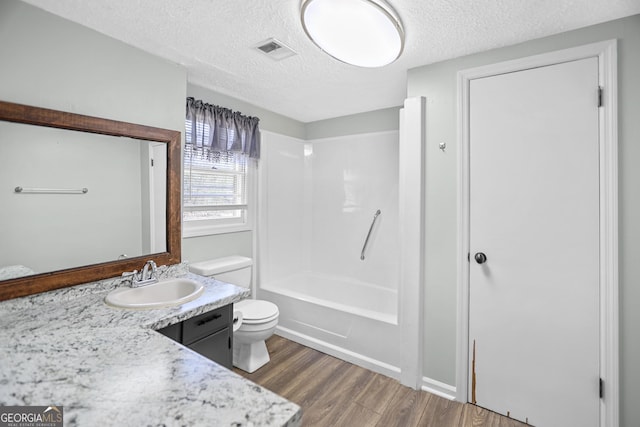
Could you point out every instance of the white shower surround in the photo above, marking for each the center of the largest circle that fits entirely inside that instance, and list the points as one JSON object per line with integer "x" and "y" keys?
{"x": 317, "y": 200}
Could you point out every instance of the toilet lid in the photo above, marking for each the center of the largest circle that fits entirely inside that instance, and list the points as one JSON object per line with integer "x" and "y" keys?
{"x": 256, "y": 309}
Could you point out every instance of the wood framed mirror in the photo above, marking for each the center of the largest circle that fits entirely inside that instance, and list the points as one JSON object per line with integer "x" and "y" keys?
{"x": 113, "y": 265}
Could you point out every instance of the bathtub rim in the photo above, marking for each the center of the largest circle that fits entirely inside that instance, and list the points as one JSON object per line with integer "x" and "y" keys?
{"x": 391, "y": 319}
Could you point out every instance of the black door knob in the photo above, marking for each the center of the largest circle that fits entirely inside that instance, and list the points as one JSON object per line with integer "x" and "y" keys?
{"x": 480, "y": 258}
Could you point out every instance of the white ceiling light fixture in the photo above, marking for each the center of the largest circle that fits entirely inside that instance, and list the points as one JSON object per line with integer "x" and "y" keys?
{"x": 366, "y": 33}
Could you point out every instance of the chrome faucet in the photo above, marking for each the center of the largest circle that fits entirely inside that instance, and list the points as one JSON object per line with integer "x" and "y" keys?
{"x": 144, "y": 277}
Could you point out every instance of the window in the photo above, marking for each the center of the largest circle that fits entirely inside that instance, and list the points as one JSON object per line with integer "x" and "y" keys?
{"x": 215, "y": 193}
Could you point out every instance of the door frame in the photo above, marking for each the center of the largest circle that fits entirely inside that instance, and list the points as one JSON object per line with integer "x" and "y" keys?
{"x": 606, "y": 52}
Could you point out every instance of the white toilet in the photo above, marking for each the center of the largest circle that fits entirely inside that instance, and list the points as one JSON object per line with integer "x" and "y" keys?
{"x": 259, "y": 318}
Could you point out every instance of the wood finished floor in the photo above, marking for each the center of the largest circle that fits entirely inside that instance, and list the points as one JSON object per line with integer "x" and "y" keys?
{"x": 336, "y": 393}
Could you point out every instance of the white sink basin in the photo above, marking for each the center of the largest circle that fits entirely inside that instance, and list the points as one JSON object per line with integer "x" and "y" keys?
{"x": 166, "y": 293}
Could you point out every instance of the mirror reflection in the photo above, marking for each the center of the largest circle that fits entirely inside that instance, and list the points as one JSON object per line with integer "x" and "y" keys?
{"x": 51, "y": 224}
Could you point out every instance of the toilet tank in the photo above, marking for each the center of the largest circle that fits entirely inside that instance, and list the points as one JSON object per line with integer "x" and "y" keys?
{"x": 233, "y": 269}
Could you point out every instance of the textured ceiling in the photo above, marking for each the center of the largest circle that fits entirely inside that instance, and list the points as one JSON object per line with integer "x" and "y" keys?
{"x": 214, "y": 40}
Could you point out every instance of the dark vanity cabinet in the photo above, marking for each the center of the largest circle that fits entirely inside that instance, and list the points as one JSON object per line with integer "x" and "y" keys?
{"x": 209, "y": 334}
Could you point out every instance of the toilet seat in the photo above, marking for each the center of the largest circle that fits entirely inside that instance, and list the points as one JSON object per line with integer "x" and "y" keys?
{"x": 257, "y": 311}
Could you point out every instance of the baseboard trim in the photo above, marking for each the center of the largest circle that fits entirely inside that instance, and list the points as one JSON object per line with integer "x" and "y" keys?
{"x": 339, "y": 352}
{"x": 438, "y": 388}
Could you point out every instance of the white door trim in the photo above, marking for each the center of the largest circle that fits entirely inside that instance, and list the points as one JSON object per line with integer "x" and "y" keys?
{"x": 606, "y": 52}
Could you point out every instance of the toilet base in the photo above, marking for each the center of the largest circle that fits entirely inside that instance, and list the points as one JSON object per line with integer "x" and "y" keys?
{"x": 250, "y": 356}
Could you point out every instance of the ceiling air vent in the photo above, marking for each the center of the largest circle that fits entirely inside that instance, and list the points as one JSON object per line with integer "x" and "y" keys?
{"x": 275, "y": 49}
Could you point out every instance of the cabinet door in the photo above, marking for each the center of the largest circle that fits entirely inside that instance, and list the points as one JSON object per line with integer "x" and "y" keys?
{"x": 206, "y": 324}
{"x": 216, "y": 347}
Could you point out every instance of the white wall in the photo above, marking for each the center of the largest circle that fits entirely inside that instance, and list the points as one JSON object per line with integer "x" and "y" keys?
{"x": 50, "y": 62}
{"x": 371, "y": 121}
{"x": 437, "y": 83}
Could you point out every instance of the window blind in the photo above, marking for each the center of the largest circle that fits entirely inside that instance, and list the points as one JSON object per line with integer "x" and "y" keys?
{"x": 215, "y": 184}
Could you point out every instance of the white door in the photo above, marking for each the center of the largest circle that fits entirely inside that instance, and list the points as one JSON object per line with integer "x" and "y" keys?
{"x": 534, "y": 214}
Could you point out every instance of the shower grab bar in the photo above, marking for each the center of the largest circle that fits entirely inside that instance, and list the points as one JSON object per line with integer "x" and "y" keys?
{"x": 364, "y": 247}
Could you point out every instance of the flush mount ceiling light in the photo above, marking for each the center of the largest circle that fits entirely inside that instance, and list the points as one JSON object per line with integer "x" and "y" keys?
{"x": 366, "y": 33}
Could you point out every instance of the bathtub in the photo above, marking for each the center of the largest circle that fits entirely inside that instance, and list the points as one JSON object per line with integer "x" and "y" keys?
{"x": 348, "y": 319}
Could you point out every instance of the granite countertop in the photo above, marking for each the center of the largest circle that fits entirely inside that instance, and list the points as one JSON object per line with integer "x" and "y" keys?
{"x": 108, "y": 366}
